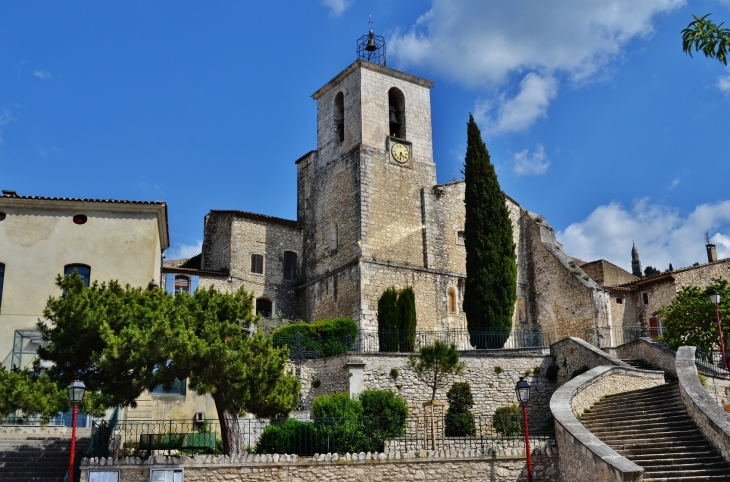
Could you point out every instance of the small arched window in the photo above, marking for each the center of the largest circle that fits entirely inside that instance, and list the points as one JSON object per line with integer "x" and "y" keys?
{"x": 264, "y": 307}
{"x": 334, "y": 236}
{"x": 339, "y": 117}
{"x": 521, "y": 312}
{"x": 83, "y": 270}
{"x": 2, "y": 278}
{"x": 451, "y": 295}
{"x": 397, "y": 113}
{"x": 182, "y": 284}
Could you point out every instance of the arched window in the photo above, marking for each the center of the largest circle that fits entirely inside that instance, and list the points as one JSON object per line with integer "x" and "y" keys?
{"x": 339, "y": 117}
{"x": 521, "y": 313}
{"x": 182, "y": 284}
{"x": 334, "y": 236}
{"x": 2, "y": 277}
{"x": 264, "y": 307}
{"x": 451, "y": 294}
{"x": 290, "y": 265}
{"x": 397, "y": 113}
{"x": 83, "y": 270}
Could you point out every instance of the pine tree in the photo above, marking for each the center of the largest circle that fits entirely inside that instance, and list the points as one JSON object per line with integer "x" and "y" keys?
{"x": 407, "y": 319}
{"x": 491, "y": 268}
{"x": 388, "y": 320}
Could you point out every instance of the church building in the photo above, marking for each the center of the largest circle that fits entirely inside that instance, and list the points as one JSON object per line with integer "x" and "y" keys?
{"x": 370, "y": 215}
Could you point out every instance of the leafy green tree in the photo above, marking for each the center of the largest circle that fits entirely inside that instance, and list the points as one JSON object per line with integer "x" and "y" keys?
{"x": 459, "y": 419}
{"x": 703, "y": 35}
{"x": 121, "y": 341}
{"x": 491, "y": 267}
{"x": 388, "y": 320}
{"x": 407, "y": 319}
{"x": 690, "y": 318}
{"x": 651, "y": 271}
{"x": 30, "y": 393}
{"x": 436, "y": 365}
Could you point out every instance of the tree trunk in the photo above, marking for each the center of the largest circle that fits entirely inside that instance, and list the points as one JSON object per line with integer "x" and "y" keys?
{"x": 230, "y": 429}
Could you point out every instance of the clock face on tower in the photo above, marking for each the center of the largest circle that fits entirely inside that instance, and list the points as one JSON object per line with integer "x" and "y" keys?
{"x": 399, "y": 152}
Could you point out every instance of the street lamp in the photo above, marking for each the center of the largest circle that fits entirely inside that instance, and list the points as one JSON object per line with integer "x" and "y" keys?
{"x": 715, "y": 299}
{"x": 75, "y": 395}
{"x": 523, "y": 395}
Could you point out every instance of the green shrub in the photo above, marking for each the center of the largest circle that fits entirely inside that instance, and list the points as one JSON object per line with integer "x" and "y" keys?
{"x": 579, "y": 371}
{"x": 388, "y": 321}
{"x": 336, "y": 405}
{"x": 394, "y": 373}
{"x": 385, "y": 416}
{"x": 498, "y": 369}
{"x": 329, "y": 337}
{"x": 552, "y": 373}
{"x": 536, "y": 371}
{"x": 289, "y": 436}
{"x": 459, "y": 419}
{"x": 506, "y": 421}
{"x": 407, "y": 319}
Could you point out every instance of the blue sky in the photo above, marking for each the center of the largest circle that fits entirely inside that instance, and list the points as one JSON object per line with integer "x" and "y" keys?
{"x": 593, "y": 115}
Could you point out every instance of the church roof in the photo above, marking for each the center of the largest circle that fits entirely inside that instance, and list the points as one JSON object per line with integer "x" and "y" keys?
{"x": 364, "y": 64}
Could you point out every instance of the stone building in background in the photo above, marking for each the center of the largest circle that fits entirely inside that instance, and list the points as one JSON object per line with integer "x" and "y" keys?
{"x": 370, "y": 215}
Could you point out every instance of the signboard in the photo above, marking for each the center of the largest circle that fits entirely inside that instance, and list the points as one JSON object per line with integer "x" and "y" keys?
{"x": 103, "y": 476}
{"x": 165, "y": 475}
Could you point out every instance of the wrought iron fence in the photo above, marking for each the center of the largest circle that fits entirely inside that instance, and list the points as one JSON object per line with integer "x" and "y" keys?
{"x": 374, "y": 341}
{"x": 613, "y": 336}
{"x": 709, "y": 362}
{"x": 336, "y": 435}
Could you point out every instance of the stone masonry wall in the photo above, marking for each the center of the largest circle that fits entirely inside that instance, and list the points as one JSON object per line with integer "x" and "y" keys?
{"x": 651, "y": 350}
{"x": 491, "y": 390}
{"x": 571, "y": 354}
{"x": 333, "y": 468}
{"x": 331, "y": 373}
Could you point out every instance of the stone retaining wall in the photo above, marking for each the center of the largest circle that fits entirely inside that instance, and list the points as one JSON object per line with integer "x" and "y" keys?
{"x": 571, "y": 354}
{"x": 584, "y": 457}
{"x": 332, "y": 468}
{"x": 653, "y": 351}
{"x": 712, "y": 421}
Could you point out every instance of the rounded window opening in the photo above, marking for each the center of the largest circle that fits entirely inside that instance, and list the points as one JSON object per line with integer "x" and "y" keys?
{"x": 80, "y": 219}
{"x": 339, "y": 117}
{"x": 2, "y": 216}
{"x": 397, "y": 113}
{"x": 264, "y": 307}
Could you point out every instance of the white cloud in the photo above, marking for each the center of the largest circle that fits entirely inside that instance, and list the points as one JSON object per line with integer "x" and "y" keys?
{"x": 42, "y": 74}
{"x": 336, "y": 6}
{"x": 489, "y": 44}
{"x": 674, "y": 184}
{"x": 182, "y": 251}
{"x": 723, "y": 83}
{"x": 44, "y": 152}
{"x": 661, "y": 233}
{"x": 6, "y": 117}
{"x": 526, "y": 164}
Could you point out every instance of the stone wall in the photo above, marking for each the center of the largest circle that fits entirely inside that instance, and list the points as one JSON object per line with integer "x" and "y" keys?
{"x": 573, "y": 354}
{"x": 332, "y": 468}
{"x": 719, "y": 390}
{"x": 491, "y": 390}
{"x": 584, "y": 457}
{"x": 712, "y": 420}
{"x": 331, "y": 373}
{"x": 651, "y": 350}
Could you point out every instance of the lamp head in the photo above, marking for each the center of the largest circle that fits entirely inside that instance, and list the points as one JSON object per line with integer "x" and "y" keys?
{"x": 522, "y": 389}
{"x": 76, "y": 392}
{"x": 715, "y": 297}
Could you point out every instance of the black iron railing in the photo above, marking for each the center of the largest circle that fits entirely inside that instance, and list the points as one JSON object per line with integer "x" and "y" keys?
{"x": 485, "y": 433}
{"x": 709, "y": 362}
{"x": 613, "y": 336}
{"x": 374, "y": 341}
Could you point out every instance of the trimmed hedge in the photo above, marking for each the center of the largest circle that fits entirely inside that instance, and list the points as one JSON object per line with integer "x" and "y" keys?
{"x": 459, "y": 419}
{"x": 330, "y": 336}
{"x": 506, "y": 421}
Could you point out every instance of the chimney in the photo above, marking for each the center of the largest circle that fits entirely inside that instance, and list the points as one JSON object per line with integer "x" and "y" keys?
{"x": 711, "y": 253}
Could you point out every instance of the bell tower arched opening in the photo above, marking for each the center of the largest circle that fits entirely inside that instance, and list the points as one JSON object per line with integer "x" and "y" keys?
{"x": 397, "y": 113}
{"x": 339, "y": 117}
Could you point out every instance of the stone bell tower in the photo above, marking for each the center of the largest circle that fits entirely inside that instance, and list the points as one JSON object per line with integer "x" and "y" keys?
{"x": 360, "y": 194}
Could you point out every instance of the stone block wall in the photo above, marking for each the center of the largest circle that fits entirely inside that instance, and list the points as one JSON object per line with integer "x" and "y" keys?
{"x": 573, "y": 354}
{"x": 712, "y": 420}
{"x": 651, "y": 350}
{"x": 331, "y": 373}
{"x": 333, "y": 468}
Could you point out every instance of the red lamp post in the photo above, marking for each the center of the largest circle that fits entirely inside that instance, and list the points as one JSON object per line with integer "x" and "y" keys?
{"x": 76, "y": 395}
{"x": 715, "y": 298}
{"x": 523, "y": 395}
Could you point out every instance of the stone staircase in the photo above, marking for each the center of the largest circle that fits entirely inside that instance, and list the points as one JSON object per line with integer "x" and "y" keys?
{"x": 651, "y": 428}
{"x": 37, "y": 458}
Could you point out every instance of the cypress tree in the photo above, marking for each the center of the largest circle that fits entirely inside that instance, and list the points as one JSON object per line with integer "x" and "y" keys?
{"x": 491, "y": 268}
{"x": 388, "y": 320}
{"x": 407, "y": 319}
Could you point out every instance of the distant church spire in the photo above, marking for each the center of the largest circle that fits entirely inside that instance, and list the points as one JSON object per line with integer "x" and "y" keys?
{"x": 635, "y": 262}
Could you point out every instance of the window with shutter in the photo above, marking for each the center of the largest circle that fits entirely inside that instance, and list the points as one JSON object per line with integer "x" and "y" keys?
{"x": 257, "y": 263}
{"x": 290, "y": 265}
